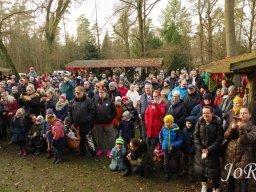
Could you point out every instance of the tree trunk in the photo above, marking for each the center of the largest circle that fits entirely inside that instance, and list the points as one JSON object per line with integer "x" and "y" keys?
{"x": 230, "y": 28}
{"x": 7, "y": 59}
{"x": 201, "y": 33}
{"x": 251, "y": 26}
{"x": 210, "y": 41}
{"x": 141, "y": 29}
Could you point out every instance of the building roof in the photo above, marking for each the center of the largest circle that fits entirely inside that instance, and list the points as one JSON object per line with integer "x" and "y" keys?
{"x": 109, "y": 63}
{"x": 230, "y": 64}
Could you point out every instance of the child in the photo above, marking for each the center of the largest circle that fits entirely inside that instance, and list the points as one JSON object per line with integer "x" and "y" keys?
{"x": 126, "y": 128}
{"x": 36, "y": 135}
{"x": 170, "y": 138}
{"x": 119, "y": 111}
{"x": 58, "y": 140}
{"x": 117, "y": 156}
{"x": 158, "y": 153}
{"x": 188, "y": 148}
{"x": 18, "y": 125}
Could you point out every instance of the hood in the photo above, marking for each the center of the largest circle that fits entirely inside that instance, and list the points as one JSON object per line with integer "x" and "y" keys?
{"x": 192, "y": 120}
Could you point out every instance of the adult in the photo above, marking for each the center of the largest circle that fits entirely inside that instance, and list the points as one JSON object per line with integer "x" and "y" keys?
{"x": 145, "y": 100}
{"x": 105, "y": 113}
{"x": 208, "y": 137}
{"x": 67, "y": 87}
{"x": 176, "y": 108}
{"x": 227, "y": 103}
{"x": 207, "y": 101}
{"x": 182, "y": 88}
{"x": 31, "y": 101}
{"x": 155, "y": 84}
{"x": 196, "y": 79}
{"x": 61, "y": 107}
{"x": 165, "y": 90}
{"x": 113, "y": 91}
{"x": 220, "y": 96}
{"x": 192, "y": 99}
{"x": 241, "y": 135}
{"x": 81, "y": 114}
{"x": 237, "y": 105}
{"x": 173, "y": 80}
{"x": 154, "y": 119}
{"x": 88, "y": 88}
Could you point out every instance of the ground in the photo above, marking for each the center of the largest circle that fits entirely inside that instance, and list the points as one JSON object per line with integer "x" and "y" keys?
{"x": 38, "y": 174}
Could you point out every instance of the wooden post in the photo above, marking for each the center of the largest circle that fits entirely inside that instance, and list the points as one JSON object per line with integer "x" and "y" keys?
{"x": 251, "y": 84}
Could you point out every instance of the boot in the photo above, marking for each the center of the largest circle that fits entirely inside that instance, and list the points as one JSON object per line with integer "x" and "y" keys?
{"x": 54, "y": 160}
{"x": 21, "y": 151}
{"x": 25, "y": 153}
{"x": 127, "y": 172}
{"x": 49, "y": 154}
{"x": 204, "y": 187}
{"x": 59, "y": 160}
{"x": 216, "y": 190}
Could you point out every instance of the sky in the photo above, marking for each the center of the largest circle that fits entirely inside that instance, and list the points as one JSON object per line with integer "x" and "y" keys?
{"x": 104, "y": 11}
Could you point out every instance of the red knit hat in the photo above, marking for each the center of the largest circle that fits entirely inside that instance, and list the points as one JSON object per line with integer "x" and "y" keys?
{"x": 124, "y": 98}
{"x": 63, "y": 96}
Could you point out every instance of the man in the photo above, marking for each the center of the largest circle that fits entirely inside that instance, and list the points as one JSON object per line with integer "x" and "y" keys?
{"x": 87, "y": 87}
{"x": 191, "y": 99}
{"x": 67, "y": 87}
{"x": 227, "y": 103}
{"x": 182, "y": 88}
{"x": 81, "y": 114}
{"x": 113, "y": 91}
{"x": 196, "y": 79}
{"x": 176, "y": 108}
{"x": 145, "y": 100}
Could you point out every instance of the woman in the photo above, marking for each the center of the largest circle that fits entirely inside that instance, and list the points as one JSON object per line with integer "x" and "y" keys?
{"x": 154, "y": 119}
{"x": 241, "y": 135}
{"x": 208, "y": 137}
{"x": 61, "y": 107}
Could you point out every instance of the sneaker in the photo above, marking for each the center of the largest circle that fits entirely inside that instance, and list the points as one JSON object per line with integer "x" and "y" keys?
{"x": 108, "y": 153}
{"x": 99, "y": 152}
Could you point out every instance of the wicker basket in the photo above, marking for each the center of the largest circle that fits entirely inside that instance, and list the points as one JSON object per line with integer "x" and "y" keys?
{"x": 73, "y": 143}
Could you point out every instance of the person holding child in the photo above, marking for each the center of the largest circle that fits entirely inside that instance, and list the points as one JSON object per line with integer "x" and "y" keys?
{"x": 117, "y": 156}
{"x": 171, "y": 139}
{"x": 19, "y": 128}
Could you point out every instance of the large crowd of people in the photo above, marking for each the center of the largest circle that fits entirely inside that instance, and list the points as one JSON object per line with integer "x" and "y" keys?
{"x": 174, "y": 120}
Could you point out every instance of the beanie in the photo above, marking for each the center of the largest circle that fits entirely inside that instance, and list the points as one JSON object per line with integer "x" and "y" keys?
{"x": 118, "y": 98}
{"x": 63, "y": 96}
{"x": 112, "y": 84}
{"x": 119, "y": 141}
{"x": 169, "y": 119}
{"x": 124, "y": 98}
{"x": 238, "y": 99}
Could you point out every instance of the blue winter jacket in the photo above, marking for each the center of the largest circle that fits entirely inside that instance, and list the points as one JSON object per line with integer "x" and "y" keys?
{"x": 170, "y": 137}
{"x": 183, "y": 92}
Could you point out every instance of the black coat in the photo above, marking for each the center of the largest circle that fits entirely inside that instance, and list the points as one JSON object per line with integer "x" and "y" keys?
{"x": 105, "y": 111}
{"x": 178, "y": 111}
{"x": 18, "y": 128}
{"x": 82, "y": 112}
{"x": 32, "y": 106}
{"x": 191, "y": 100}
{"x": 208, "y": 137}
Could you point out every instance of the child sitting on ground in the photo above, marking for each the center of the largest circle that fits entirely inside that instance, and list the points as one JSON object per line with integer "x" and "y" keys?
{"x": 117, "y": 156}
{"x": 18, "y": 126}
{"x": 170, "y": 138}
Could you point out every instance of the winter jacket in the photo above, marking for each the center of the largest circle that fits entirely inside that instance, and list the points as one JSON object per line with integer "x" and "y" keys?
{"x": 240, "y": 147}
{"x": 197, "y": 111}
{"x": 154, "y": 119}
{"x": 133, "y": 96}
{"x": 57, "y": 129}
{"x": 226, "y": 105}
{"x": 81, "y": 112}
{"x": 208, "y": 137}
{"x": 126, "y": 130}
{"x": 187, "y": 134}
{"x": 170, "y": 137}
{"x": 105, "y": 111}
{"x": 68, "y": 89}
{"x": 32, "y": 105}
{"x": 123, "y": 91}
{"x": 11, "y": 107}
{"x": 117, "y": 161}
{"x": 199, "y": 81}
{"x": 118, "y": 117}
{"x": 113, "y": 93}
{"x": 183, "y": 92}
{"x": 191, "y": 100}
{"x": 218, "y": 99}
{"x": 178, "y": 111}
{"x": 144, "y": 102}
{"x": 19, "y": 128}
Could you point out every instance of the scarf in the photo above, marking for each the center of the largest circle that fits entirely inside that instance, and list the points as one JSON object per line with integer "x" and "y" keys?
{"x": 59, "y": 105}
